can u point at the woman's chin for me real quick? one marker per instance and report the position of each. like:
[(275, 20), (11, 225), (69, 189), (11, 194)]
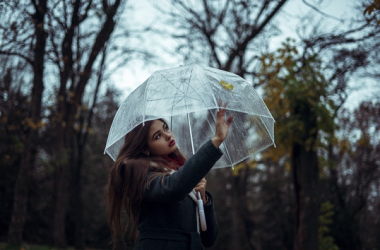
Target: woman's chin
[(173, 149)]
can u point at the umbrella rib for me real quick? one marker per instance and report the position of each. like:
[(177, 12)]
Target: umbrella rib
[(145, 101), (185, 94), (174, 103), (157, 99), (210, 91), (178, 90), (188, 116), (198, 94), (175, 87), (195, 91), (267, 130), (191, 134), (170, 82), (213, 96)]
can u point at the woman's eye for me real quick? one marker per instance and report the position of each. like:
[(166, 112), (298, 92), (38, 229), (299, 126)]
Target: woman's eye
[(158, 137)]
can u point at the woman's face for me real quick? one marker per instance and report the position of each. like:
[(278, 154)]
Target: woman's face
[(160, 139)]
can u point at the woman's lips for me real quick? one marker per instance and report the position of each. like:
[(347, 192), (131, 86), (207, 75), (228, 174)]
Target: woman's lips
[(172, 143)]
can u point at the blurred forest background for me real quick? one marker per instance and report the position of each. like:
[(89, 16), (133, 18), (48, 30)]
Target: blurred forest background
[(318, 189)]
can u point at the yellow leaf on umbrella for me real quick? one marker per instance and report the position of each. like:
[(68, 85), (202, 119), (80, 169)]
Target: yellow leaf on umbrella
[(226, 85)]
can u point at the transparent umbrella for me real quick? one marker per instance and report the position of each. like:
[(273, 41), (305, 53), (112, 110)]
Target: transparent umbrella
[(187, 98)]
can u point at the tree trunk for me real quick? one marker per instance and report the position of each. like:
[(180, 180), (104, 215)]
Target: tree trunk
[(19, 213), (304, 160), (78, 202), (305, 174), (60, 198), (237, 223), (82, 135), (242, 225), (68, 109), (245, 214)]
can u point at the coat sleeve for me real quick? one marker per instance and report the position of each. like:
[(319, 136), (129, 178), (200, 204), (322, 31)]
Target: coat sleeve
[(177, 186), (209, 236)]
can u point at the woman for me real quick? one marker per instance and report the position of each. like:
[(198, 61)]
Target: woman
[(153, 183)]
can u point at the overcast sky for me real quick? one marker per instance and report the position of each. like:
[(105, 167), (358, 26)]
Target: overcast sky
[(131, 76)]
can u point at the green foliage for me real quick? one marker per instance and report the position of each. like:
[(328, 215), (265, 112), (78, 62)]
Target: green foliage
[(326, 242), (296, 92), (244, 164)]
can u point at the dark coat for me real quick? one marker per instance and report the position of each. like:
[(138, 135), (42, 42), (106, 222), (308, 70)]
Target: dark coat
[(168, 218)]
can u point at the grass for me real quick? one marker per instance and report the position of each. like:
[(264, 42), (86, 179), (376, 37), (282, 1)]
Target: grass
[(25, 246)]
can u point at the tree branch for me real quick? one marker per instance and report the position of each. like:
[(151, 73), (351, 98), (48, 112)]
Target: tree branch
[(254, 33), (263, 7), (95, 98), (100, 41), (30, 61), (320, 12), (82, 18), (34, 4), (325, 41), (105, 5)]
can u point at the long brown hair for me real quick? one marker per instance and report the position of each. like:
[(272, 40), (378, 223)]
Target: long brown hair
[(128, 179)]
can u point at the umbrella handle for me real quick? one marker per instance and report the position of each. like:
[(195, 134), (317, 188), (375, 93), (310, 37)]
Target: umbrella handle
[(202, 213)]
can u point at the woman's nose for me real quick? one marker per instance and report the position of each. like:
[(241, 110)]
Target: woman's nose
[(168, 135)]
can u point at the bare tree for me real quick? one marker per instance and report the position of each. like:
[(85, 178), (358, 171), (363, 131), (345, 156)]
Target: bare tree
[(14, 108), (222, 34), (353, 179), (75, 48), (69, 39), (34, 41)]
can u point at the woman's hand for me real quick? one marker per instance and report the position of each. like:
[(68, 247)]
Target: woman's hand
[(222, 126), (201, 187)]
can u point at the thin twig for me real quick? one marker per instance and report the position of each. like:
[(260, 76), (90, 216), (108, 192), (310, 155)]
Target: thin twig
[(320, 12)]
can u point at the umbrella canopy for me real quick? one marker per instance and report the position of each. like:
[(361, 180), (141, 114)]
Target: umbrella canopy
[(187, 98)]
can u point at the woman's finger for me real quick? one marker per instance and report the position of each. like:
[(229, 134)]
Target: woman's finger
[(229, 120), (201, 187)]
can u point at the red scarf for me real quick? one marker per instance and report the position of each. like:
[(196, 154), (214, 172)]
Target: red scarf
[(176, 162)]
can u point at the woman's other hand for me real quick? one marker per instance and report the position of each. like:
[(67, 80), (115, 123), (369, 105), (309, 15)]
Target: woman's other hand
[(201, 187), (222, 126)]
